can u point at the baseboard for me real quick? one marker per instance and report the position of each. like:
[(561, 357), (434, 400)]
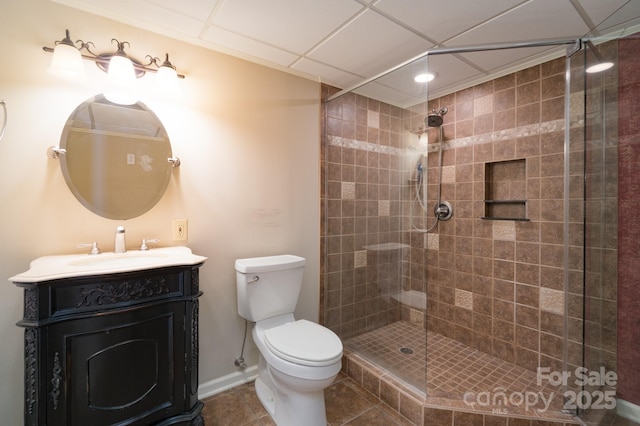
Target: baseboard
[(229, 381), (628, 410)]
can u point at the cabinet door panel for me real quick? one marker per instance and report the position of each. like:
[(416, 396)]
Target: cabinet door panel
[(121, 366)]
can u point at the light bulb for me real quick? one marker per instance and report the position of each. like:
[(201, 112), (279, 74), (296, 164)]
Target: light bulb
[(121, 70), (121, 81), (424, 78), (66, 62), (167, 79)]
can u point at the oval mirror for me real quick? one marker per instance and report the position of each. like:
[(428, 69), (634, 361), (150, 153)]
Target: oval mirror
[(115, 157)]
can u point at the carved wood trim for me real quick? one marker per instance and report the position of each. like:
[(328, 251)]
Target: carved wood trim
[(30, 303), (194, 333), (195, 281), (55, 380), (122, 292), (31, 369)]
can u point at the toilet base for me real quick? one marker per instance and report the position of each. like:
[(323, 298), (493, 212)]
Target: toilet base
[(292, 410), (265, 396)]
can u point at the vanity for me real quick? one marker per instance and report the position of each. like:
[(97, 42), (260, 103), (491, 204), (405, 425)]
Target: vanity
[(112, 339)]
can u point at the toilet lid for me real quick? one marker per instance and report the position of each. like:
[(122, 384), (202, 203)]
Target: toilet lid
[(304, 342)]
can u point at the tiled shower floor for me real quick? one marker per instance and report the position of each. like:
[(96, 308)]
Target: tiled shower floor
[(453, 368)]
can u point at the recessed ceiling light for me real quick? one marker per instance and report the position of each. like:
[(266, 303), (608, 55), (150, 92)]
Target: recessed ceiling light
[(599, 67), (424, 78)]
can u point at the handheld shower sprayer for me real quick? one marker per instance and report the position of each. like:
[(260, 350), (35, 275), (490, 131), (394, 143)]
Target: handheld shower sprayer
[(443, 209)]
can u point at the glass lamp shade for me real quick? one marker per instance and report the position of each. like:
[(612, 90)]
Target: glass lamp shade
[(66, 62), (167, 77), (121, 70), (167, 81), (121, 81)]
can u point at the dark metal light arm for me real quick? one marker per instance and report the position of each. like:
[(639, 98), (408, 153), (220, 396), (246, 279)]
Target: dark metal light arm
[(102, 60)]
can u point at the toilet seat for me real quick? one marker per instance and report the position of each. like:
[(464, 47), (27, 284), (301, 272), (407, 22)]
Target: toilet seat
[(304, 342)]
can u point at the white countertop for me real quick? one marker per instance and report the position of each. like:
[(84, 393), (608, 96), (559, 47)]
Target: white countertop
[(48, 268)]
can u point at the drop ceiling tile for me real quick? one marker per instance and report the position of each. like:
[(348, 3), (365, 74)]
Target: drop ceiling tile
[(448, 68), (535, 20), (141, 14), (387, 94), (443, 20), (623, 22), (235, 44), (370, 45), (199, 9), (330, 75), (599, 10), (494, 60), (294, 25)]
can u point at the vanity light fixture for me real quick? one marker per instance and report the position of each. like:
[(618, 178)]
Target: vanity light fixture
[(122, 69), (601, 65)]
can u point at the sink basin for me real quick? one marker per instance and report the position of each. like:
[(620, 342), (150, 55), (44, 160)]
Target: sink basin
[(76, 265)]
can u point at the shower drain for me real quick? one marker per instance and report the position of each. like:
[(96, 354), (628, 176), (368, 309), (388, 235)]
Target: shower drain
[(406, 351)]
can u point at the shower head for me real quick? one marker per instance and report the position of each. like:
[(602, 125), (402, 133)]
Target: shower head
[(434, 119)]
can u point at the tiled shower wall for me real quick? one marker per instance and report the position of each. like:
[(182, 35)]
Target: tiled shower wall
[(362, 224), (495, 285)]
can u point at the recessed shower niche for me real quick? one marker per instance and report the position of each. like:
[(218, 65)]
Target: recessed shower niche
[(505, 190)]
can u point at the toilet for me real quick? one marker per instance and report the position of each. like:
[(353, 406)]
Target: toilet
[(298, 358)]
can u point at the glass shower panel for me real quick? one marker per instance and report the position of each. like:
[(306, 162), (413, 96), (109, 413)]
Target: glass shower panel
[(593, 234), (366, 245)]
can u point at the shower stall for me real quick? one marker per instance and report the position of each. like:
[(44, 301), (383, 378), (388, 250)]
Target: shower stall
[(470, 239)]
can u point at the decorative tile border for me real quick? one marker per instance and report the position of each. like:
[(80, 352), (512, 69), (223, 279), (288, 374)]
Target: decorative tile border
[(502, 135)]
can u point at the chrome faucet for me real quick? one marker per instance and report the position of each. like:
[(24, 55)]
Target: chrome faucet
[(120, 246)]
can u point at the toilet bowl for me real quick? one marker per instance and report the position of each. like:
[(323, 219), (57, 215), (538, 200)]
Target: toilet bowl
[(298, 358)]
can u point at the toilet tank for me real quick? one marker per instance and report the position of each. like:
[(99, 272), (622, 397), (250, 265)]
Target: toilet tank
[(268, 286)]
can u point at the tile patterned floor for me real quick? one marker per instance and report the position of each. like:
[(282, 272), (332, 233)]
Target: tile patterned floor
[(346, 404), (453, 368)]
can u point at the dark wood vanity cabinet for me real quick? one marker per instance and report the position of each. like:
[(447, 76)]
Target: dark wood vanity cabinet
[(118, 349)]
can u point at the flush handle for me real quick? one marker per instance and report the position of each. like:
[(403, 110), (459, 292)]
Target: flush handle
[(253, 280)]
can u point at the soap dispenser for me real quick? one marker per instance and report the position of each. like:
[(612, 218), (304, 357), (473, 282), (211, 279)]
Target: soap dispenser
[(120, 244)]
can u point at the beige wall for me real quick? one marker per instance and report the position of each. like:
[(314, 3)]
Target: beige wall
[(248, 138)]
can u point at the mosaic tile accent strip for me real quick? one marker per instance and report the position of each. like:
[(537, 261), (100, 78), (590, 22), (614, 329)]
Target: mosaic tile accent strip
[(504, 135), (364, 146), (552, 300)]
